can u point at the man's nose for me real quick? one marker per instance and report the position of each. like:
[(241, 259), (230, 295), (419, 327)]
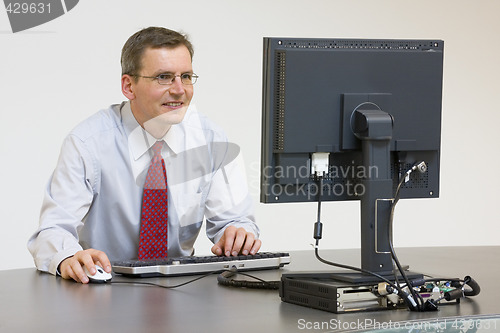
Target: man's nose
[(177, 87)]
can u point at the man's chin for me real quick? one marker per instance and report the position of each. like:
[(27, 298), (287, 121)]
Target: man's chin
[(160, 125)]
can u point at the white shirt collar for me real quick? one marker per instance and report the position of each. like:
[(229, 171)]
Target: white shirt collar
[(140, 140)]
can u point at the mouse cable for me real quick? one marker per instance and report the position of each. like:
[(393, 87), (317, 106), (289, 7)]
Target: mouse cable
[(226, 279), (167, 287), (224, 276)]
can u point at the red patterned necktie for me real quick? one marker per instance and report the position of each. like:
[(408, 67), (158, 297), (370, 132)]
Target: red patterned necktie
[(153, 239)]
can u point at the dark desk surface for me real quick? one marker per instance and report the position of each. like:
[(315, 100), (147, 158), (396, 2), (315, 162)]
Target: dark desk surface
[(33, 301)]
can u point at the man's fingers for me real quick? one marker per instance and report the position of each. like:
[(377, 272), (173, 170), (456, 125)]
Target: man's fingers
[(73, 276), (247, 245), (239, 240), (87, 261), (236, 241), (229, 235), (89, 258), (72, 267), (256, 246), (69, 274), (102, 260), (217, 248)]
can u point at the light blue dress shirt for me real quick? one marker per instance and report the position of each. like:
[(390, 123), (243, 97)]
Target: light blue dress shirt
[(93, 198)]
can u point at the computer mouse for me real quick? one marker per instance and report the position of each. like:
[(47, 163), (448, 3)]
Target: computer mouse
[(100, 276)]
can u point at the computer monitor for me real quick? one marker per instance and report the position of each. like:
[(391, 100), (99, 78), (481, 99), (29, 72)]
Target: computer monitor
[(359, 113)]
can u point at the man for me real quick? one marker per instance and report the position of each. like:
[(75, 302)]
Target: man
[(91, 212)]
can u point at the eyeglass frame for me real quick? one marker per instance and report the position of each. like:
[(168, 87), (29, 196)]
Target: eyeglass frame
[(193, 76)]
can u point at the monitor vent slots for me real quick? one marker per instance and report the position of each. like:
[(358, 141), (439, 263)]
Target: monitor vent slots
[(279, 95), (417, 180), (360, 44)]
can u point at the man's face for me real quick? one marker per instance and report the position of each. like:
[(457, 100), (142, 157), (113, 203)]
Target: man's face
[(159, 105)]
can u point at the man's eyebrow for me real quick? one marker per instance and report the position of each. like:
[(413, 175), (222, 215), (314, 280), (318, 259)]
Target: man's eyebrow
[(162, 72)]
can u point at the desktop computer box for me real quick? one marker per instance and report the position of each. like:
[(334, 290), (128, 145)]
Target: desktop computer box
[(320, 291), (331, 295)]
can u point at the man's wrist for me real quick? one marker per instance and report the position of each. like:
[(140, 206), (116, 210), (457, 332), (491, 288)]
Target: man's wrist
[(58, 269)]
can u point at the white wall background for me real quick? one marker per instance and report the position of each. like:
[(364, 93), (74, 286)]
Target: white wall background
[(55, 75)]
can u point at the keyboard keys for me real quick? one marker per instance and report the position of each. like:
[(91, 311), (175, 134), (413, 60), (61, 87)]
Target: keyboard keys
[(200, 264)]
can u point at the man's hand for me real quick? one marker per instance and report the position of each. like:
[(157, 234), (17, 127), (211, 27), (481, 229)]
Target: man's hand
[(72, 267), (236, 241)]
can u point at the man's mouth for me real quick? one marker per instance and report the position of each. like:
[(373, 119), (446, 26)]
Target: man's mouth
[(173, 104)]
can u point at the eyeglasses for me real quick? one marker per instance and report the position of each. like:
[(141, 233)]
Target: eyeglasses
[(168, 78)]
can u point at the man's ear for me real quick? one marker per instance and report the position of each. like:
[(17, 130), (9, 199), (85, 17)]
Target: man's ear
[(128, 86)]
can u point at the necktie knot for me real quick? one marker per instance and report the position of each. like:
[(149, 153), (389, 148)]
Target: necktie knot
[(157, 149), (156, 176)]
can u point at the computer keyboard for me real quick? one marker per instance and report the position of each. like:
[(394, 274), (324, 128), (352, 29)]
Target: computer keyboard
[(200, 264)]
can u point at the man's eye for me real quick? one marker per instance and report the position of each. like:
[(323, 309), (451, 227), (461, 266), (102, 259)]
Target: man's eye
[(165, 77), (187, 76)]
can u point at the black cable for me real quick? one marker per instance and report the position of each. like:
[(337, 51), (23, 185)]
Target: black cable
[(317, 236), (473, 284), (167, 287), (318, 227), (263, 284), (418, 302), (466, 281), (225, 279), (395, 259)]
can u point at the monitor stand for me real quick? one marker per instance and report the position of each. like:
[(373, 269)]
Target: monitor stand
[(373, 127)]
